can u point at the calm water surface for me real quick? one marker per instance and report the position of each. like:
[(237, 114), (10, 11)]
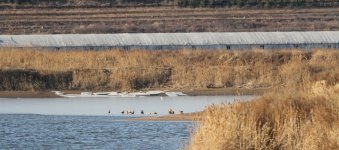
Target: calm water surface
[(100, 106), (89, 132), (83, 123)]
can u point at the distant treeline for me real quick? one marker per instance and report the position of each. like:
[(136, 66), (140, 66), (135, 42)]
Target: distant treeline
[(180, 3)]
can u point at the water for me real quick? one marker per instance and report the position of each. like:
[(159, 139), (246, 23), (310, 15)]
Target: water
[(89, 132), (100, 106), (84, 123)]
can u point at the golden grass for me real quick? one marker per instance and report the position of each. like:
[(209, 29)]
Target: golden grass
[(306, 119), (137, 69), (302, 113)]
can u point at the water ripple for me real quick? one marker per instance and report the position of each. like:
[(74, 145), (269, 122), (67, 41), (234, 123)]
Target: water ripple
[(89, 132)]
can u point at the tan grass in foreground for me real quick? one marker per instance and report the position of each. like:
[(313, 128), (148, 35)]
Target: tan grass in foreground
[(287, 119), (138, 69)]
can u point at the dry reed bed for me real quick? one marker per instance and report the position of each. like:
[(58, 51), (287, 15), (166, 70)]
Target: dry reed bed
[(304, 118), (139, 69), (301, 114)]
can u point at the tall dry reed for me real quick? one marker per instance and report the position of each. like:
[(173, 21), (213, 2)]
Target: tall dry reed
[(137, 69), (285, 119)]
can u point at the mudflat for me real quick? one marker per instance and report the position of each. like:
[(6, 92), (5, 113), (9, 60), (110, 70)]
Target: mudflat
[(190, 92), (196, 116), (225, 91)]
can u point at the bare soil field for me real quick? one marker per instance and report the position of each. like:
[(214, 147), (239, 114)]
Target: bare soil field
[(164, 19)]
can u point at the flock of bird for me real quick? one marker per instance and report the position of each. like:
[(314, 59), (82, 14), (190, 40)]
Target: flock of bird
[(132, 112)]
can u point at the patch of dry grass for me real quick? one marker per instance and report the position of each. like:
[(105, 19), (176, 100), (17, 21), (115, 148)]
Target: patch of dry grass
[(304, 119), (302, 113), (137, 69)]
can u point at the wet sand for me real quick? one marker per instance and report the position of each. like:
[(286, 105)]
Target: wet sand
[(191, 92), (176, 117), (224, 91)]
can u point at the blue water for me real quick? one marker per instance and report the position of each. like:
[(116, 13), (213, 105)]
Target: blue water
[(84, 123), (28, 131)]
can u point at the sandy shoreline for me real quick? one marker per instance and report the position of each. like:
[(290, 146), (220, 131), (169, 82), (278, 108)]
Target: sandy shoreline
[(224, 91), (196, 116), (191, 92)]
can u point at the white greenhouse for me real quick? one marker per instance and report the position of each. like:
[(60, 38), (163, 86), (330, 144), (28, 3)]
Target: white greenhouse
[(213, 40)]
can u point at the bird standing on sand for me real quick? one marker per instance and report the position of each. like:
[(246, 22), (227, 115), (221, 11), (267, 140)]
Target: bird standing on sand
[(153, 113), (170, 111), (181, 112)]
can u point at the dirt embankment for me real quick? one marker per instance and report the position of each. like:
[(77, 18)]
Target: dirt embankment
[(28, 94), (25, 80)]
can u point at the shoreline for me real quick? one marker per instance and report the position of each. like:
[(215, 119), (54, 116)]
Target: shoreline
[(195, 116), (190, 92)]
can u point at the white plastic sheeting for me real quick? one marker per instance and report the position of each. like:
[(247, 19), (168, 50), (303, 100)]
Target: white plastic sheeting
[(168, 39)]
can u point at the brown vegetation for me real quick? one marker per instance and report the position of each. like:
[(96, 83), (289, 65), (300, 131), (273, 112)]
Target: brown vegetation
[(302, 113), (164, 19), (27, 69), (287, 118)]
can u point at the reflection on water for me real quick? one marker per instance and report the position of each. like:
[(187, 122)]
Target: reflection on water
[(89, 132), (100, 106)]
